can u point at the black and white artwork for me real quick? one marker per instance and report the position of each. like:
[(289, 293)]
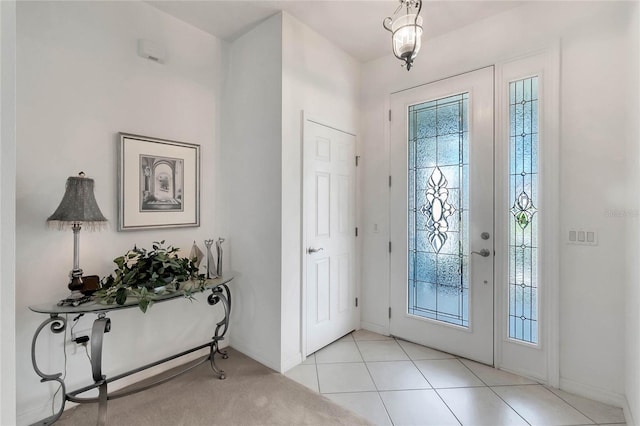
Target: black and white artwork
[(159, 183), (162, 183)]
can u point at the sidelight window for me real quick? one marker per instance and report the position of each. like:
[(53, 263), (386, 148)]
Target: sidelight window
[(523, 197)]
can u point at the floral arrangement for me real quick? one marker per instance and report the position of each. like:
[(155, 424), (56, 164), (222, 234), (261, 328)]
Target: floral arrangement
[(145, 275)]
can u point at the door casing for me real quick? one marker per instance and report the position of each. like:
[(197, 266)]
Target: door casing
[(542, 361), (545, 62)]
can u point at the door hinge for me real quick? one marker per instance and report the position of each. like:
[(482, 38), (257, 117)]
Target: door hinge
[(389, 312), (356, 231), (356, 302), (389, 115), (389, 181), (357, 160), (389, 246)]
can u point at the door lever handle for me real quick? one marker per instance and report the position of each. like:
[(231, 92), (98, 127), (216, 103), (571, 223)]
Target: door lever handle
[(484, 252), (311, 250)]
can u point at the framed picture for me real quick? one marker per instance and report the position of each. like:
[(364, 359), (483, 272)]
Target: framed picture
[(159, 183)]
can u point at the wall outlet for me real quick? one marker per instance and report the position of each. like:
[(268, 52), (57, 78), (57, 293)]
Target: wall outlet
[(582, 237)]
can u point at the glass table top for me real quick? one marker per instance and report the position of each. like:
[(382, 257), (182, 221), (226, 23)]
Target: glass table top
[(96, 306)]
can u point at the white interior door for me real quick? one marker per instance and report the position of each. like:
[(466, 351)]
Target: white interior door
[(329, 224), (442, 219)]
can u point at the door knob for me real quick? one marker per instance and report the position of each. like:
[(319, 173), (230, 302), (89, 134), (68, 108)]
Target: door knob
[(311, 250), (484, 252)]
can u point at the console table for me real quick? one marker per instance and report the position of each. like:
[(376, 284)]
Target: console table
[(220, 293)]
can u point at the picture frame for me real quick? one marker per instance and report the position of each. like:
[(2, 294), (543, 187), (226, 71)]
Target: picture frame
[(158, 183)]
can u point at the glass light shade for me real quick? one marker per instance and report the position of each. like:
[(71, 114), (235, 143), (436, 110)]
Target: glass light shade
[(407, 34)]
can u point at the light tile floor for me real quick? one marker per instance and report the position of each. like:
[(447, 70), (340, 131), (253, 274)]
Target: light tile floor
[(393, 382)]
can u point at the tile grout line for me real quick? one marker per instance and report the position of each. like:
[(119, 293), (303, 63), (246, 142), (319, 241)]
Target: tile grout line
[(374, 383), (338, 393), (571, 405), (413, 362), (568, 403), (495, 393), (315, 362), (509, 405), (432, 388), (445, 402), (545, 388)]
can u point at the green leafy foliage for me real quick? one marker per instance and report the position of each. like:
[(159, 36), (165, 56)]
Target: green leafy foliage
[(145, 275)]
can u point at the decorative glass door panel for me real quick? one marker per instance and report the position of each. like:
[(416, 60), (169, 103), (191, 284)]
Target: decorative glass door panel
[(441, 198), (438, 235)]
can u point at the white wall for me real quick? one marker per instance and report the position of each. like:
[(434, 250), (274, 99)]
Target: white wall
[(592, 176), (7, 212), (323, 81), (276, 70), (632, 217), (250, 198), (80, 82), (593, 38)]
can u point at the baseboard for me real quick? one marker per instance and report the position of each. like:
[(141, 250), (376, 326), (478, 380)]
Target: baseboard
[(35, 414), (43, 411), (158, 369), (628, 414), (592, 392), (369, 326), (292, 361), (240, 347)]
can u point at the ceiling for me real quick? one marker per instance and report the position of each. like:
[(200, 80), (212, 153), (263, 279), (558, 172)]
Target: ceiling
[(353, 25)]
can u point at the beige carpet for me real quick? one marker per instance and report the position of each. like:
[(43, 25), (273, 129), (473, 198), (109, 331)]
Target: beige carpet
[(252, 394)]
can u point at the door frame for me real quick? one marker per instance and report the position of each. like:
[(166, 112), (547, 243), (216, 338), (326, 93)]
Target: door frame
[(548, 62), (305, 116), (476, 340)]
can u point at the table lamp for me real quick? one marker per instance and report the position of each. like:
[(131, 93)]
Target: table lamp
[(78, 208)]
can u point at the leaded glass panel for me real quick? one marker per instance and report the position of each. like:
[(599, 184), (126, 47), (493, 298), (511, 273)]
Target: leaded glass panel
[(438, 210), (523, 195)]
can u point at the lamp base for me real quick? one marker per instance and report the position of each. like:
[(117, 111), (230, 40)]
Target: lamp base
[(81, 288), (76, 284)]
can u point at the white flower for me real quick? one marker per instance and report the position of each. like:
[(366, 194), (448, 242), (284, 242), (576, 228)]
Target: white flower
[(132, 258)]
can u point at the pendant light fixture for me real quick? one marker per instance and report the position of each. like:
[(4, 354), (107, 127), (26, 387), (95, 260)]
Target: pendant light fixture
[(406, 31)]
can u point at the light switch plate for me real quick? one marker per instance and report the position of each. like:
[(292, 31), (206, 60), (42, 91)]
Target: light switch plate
[(582, 237)]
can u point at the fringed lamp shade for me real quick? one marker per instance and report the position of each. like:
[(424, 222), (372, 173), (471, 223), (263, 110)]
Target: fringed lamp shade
[(78, 206)]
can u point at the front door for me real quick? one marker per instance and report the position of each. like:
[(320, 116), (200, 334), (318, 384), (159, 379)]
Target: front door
[(442, 220), (329, 222)]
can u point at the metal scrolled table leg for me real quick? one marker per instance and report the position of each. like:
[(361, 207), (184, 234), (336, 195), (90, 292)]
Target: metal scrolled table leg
[(100, 326), (226, 289), (226, 319), (58, 325), (215, 297)]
